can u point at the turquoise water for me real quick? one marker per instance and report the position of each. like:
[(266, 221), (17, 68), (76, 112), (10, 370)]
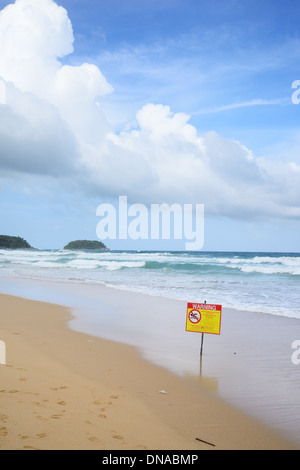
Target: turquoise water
[(249, 364), (259, 282)]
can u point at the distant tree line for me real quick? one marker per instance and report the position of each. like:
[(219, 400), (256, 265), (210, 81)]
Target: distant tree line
[(13, 243), (18, 243)]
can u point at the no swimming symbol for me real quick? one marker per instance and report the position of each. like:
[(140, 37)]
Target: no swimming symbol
[(195, 316)]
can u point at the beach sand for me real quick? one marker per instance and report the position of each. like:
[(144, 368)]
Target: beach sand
[(61, 389)]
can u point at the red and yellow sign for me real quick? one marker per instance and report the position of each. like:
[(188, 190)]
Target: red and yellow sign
[(204, 318)]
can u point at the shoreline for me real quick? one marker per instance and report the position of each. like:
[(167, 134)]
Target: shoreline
[(63, 389), (248, 366)]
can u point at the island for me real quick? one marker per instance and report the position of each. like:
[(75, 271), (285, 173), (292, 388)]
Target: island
[(13, 243), (86, 245)]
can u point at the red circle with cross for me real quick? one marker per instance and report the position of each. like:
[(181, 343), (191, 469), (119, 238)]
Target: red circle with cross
[(194, 316)]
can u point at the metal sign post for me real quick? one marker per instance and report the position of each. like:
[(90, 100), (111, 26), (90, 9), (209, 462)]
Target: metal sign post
[(203, 318), (201, 349), (201, 353)]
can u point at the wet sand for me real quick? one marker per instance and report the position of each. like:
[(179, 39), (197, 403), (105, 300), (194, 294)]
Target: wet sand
[(63, 389)]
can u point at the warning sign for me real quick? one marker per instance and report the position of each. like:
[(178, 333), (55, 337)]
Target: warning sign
[(204, 318), (194, 316)]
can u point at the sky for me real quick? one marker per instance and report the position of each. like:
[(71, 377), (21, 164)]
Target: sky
[(161, 101)]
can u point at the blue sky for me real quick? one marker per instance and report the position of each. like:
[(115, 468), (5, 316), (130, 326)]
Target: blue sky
[(163, 101)]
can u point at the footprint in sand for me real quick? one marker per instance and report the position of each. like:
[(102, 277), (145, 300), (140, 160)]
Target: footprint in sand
[(56, 389), (3, 431), (42, 418), (56, 416), (94, 439), (3, 418), (37, 403), (97, 402)]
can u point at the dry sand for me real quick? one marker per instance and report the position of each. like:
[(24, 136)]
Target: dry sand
[(62, 389)]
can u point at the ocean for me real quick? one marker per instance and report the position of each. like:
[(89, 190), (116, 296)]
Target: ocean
[(257, 282), (250, 364)]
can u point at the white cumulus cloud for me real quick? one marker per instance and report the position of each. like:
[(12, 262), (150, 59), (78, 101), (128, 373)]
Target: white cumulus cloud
[(51, 123)]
